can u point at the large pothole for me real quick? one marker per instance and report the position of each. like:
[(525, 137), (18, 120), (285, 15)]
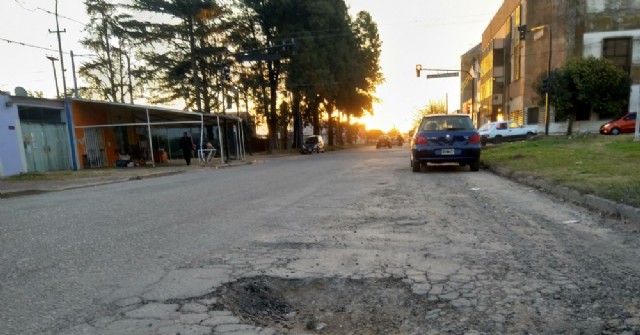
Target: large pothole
[(329, 306)]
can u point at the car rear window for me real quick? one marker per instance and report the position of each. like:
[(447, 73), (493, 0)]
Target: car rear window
[(311, 140), (446, 123)]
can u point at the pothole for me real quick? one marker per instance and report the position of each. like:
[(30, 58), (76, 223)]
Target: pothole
[(327, 306)]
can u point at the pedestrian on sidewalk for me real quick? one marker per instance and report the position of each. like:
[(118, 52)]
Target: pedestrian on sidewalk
[(187, 146)]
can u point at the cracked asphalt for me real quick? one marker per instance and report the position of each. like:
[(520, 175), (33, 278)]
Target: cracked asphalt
[(340, 243)]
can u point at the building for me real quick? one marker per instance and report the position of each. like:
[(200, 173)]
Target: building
[(42, 135), (527, 38), (470, 70)]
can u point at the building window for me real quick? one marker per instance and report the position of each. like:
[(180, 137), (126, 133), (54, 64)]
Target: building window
[(515, 65), (618, 50), (533, 115)]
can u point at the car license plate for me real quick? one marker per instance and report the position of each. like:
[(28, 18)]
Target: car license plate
[(448, 152)]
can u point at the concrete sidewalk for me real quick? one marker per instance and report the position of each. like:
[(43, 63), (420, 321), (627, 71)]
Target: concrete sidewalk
[(63, 180)]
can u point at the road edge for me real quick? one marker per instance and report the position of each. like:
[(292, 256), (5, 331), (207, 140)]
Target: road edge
[(590, 201)]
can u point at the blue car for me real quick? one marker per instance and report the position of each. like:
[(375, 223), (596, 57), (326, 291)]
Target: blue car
[(446, 138)]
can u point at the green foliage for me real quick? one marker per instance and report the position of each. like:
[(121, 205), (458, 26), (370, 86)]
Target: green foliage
[(598, 165), (585, 85), (180, 50), (336, 61), (36, 94), (109, 74), (178, 53)]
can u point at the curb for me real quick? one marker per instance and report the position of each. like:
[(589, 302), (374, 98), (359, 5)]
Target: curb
[(90, 183), (590, 201), (82, 184)]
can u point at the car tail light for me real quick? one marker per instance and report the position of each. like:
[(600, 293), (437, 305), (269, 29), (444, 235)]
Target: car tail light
[(420, 140), (475, 138)]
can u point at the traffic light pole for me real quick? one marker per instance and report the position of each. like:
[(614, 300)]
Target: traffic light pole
[(419, 69), (547, 114), (546, 95)]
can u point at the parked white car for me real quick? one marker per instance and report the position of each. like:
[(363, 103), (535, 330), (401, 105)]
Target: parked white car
[(506, 131)]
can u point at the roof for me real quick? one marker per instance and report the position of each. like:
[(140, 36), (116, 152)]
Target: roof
[(152, 115)]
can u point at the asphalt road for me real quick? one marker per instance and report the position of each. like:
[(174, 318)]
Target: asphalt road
[(503, 256)]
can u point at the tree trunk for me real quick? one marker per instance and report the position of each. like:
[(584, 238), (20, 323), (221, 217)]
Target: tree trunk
[(272, 116), (316, 116), (297, 121), (194, 66), (330, 125), (349, 130), (570, 120), (339, 138)]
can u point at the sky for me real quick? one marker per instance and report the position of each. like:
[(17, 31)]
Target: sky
[(433, 33)]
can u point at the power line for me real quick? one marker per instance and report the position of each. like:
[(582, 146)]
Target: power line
[(62, 16), (27, 45), (46, 49), (22, 5)]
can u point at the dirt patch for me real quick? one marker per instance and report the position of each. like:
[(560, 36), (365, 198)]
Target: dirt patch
[(327, 306)]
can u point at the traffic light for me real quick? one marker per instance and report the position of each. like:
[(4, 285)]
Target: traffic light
[(225, 74), (546, 85), (523, 31)]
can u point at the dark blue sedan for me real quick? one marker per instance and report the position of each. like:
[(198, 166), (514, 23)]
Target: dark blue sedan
[(446, 138)]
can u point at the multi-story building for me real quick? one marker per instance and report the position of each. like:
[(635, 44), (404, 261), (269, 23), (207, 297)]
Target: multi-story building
[(527, 38)]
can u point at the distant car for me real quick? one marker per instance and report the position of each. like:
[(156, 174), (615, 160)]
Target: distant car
[(445, 138), (623, 124), (383, 141), (506, 131), (313, 143)]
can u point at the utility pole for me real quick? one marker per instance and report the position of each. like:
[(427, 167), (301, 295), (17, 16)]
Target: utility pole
[(57, 31), (523, 30), (75, 80), (55, 76)]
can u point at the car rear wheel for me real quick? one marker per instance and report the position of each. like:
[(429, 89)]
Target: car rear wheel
[(615, 131), (415, 166), (497, 140), (475, 165), (530, 136)]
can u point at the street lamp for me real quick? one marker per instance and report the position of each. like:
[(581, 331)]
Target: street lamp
[(55, 76), (546, 94)]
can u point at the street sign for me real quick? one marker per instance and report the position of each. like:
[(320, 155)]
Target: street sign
[(258, 57), (443, 75), (538, 34)]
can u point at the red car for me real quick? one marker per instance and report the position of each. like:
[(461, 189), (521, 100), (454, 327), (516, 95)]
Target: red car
[(624, 124)]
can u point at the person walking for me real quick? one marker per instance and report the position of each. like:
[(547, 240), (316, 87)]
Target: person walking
[(187, 146)]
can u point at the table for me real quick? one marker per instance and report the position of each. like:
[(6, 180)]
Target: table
[(205, 155)]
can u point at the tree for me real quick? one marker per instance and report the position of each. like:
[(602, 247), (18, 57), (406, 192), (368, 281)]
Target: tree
[(35, 94), (182, 54), (432, 107), (329, 68), (109, 73), (587, 85)]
